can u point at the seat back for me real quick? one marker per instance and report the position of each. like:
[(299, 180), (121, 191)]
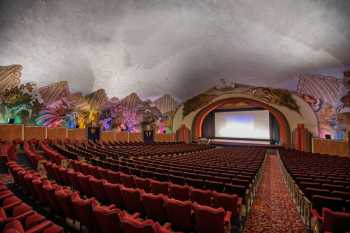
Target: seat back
[(158, 187), (108, 219), (179, 213), (132, 200), (179, 192), (83, 211), (337, 222), (154, 206), (226, 201), (133, 225), (49, 191), (84, 184), (209, 220), (127, 180), (333, 203), (113, 177), (96, 187), (113, 192), (202, 197), (63, 198), (142, 183)]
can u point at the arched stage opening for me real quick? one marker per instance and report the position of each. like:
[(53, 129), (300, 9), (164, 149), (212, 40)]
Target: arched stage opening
[(246, 103)]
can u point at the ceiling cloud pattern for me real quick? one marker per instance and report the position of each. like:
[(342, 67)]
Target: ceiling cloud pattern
[(169, 46)]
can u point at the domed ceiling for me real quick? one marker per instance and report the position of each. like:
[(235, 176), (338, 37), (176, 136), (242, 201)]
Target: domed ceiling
[(154, 47)]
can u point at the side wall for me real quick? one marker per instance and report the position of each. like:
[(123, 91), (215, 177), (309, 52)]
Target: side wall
[(11, 132)]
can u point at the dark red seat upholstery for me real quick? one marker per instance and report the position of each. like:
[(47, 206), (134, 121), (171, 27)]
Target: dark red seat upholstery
[(97, 190), (333, 203), (158, 187), (179, 214), (335, 222), (142, 183), (127, 180), (133, 225), (209, 220), (108, 219), (84, 184), (132, 200), (179, 192), (202, 197), (154, 206), (113, 177), (83, 211), (63, 198), (114, 194)]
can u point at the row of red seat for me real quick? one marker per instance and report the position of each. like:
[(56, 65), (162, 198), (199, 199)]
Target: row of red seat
[(18, 217), (111, 219), (325, 181), (125, 190), (127, 150)]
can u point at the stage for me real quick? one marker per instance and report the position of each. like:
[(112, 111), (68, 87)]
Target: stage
[(239, 142)]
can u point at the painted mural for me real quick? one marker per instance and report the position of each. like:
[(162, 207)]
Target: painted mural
[(323, 94), (55, 106), (269, 95)]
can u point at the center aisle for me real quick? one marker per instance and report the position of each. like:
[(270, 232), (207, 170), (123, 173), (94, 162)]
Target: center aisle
[(273, 210)]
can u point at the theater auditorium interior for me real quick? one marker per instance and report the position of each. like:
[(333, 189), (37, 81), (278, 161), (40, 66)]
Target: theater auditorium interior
[(174, 116)]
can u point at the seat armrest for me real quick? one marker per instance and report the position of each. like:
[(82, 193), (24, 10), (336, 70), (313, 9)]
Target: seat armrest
[(39, 227), (316, 215), (167, 225), (20, 217), (9, 206), (3, 196), (228, 216)]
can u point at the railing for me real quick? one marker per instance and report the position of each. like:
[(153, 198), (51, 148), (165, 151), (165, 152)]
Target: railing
[(303, 205)]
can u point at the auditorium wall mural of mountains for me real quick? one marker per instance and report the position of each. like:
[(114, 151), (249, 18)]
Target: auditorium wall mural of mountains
[(55, 105)]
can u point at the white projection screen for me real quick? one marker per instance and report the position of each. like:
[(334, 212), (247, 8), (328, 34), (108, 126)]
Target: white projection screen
[(252, 124)]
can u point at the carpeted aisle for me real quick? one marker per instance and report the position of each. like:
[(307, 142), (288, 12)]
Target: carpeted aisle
[(273, 210)]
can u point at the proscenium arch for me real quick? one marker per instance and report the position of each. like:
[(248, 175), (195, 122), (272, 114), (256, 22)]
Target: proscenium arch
[(281, 119)]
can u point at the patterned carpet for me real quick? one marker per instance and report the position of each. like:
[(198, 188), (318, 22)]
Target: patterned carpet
[(273, 210)]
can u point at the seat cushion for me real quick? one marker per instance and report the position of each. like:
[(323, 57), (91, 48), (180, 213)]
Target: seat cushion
[(3, 215), (14, 226)]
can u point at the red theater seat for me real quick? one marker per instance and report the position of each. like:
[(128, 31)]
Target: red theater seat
[(97, 190), (209, 220), (108, 219), (83, 211), (180, 192), (127, 180), (114, 194), (132, 200), (133, 225), (142, 183), (202, 197), (158, 187), (63, 198), (154, 206), (179, 214), (335, 222)]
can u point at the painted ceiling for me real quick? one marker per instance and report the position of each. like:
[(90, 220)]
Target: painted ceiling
[(180, 48)]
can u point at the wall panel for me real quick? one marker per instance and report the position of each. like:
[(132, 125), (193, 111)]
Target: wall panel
[(332, 147), (11, 132), (37, 132), (56, 133), (135, 137), (164, 138), (107, 136), (77, 134), (122, 136)]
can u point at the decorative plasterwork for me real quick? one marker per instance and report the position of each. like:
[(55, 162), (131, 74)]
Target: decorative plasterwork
[(10, 76)]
